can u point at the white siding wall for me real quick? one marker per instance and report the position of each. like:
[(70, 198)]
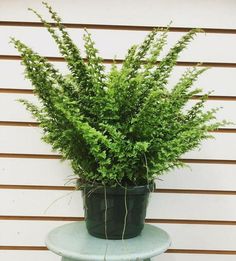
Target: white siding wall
[(197, 207)]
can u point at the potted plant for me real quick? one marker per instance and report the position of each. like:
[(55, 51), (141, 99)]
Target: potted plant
[(120, 130)]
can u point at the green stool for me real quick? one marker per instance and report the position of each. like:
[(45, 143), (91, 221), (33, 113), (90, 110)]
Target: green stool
[(72, 242)]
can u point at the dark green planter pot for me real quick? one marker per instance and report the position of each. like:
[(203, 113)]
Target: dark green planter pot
[(112, 208)]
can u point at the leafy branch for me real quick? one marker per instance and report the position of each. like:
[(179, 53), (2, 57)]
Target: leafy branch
[(124, 126)]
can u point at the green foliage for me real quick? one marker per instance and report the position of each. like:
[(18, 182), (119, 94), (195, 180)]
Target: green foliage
[(122, 127)]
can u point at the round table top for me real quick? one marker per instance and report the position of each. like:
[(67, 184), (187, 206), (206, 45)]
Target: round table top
[(74, 242)]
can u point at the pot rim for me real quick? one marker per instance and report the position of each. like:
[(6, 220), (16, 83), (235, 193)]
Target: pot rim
[(140, 189)]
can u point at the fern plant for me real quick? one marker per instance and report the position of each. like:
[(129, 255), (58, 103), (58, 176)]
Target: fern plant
[(124, 127)]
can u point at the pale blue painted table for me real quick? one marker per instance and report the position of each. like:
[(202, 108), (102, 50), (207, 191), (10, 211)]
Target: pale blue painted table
[(72, 242)]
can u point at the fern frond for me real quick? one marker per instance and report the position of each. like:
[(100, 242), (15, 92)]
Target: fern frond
[(125, 127)]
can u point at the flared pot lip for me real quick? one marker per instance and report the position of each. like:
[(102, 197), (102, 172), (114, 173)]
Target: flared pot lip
[(140, 189)]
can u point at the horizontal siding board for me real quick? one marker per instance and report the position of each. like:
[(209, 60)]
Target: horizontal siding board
[(193, 257), (192, 206), (46, 172), (225, 110), (130, 12), (7, 68), (221, 147), (12, 110), (28, 140), (23, 140), (200, 176), (35, 172), (31, 233), (118, 41), (162, 205), (30, 202), (221, 80), (194, 236), (10, 255), (26, 233)]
